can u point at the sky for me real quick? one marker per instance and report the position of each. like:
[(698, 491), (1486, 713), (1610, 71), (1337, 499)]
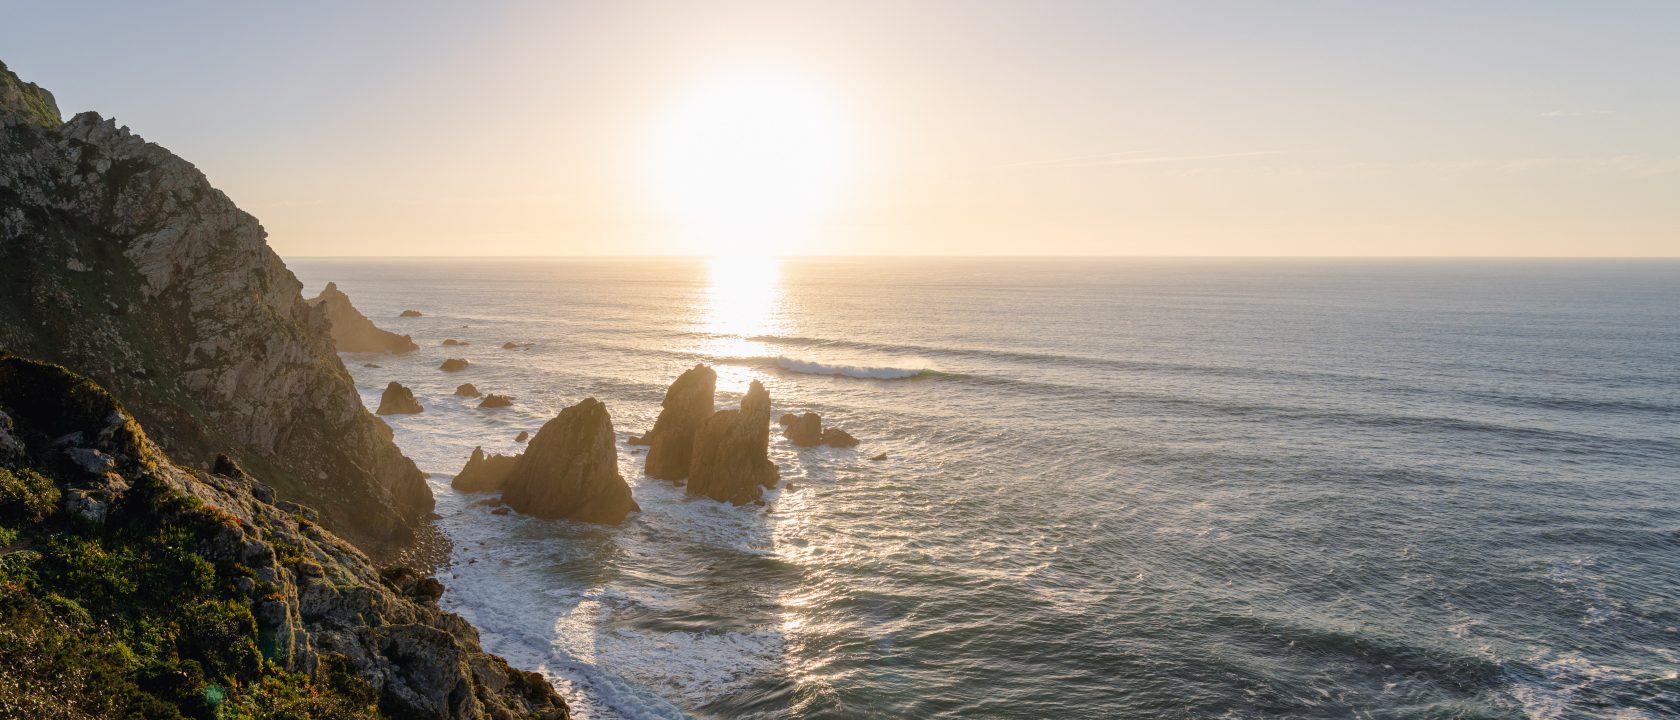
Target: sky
[(889, 128)]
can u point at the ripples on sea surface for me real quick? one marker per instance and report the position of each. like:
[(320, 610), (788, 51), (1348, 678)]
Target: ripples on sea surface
[(1127, 488)]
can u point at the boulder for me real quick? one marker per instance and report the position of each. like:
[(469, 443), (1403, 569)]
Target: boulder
[(467, 390), (787, 419), (398, 400), (509, 346), (522, 437), (354, 332), (637, 440), (496, 401), (452, 342), (688, 402), (454, 365), (805, 431), (835, 437), (570, 470), (731, 460), (878, 457), (484, 473), (372, 365), (410, 313)]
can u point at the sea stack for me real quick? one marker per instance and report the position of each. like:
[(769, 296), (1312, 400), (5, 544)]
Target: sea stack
[(687, 404), (496, 401), (351, 330), (805, 430), (835, 437), (467, 390), (570, 470), (409, 313), (398, 400), (484, 473), (732, 452), (454, 365)]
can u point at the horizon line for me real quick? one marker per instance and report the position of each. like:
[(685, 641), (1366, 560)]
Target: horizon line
[(983, 257)]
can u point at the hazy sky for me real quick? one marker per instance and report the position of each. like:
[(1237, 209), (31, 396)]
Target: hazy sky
[(1181, 128)]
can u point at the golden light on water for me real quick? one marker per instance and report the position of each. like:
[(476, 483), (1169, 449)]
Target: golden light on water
[(741, 301)]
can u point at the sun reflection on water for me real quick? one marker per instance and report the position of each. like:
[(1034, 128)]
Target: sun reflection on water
[(741, 302)]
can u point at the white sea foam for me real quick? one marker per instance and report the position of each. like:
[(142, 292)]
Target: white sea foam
[(864, 372)]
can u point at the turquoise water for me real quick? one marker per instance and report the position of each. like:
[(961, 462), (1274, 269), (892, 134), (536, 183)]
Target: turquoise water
[(1114, 488)]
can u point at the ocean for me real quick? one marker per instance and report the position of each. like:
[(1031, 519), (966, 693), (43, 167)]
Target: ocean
[(1127, 488)]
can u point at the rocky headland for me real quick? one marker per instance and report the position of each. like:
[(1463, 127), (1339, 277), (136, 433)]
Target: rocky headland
[(354, 332)]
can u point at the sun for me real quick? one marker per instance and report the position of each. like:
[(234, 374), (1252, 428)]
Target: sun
[(745, 161)]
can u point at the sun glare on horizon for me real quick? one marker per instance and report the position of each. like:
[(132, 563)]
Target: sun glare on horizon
[(744, 161)]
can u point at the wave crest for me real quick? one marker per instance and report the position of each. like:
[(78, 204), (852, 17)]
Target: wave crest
[(808, 367)]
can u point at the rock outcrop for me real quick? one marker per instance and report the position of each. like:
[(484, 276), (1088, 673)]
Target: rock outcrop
[(787, 419), (496, 401), (398, 400), (138, 587), (452, 342), (354, 332), (484, 473), (121, 260), (687, 404), (467, 390), (570, 470), (835, 437), (731, 452), (522, 436), (805, 431), (509, 346), (453, 365), (409, 313)]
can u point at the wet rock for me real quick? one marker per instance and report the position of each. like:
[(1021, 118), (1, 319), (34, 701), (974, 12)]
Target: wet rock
[(452, 342), (496, 401), (881, 456), (522, 436), (372, 365), (805, 431), (731, 460), (687, 404), (467, 390), (484, 473), (509, 346), (409, 313), (354, 332), (835, 437), (570, 470), (398, 400), (454, 365), (787, 419)]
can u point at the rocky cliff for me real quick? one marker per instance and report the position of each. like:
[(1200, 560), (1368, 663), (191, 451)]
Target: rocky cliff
[(351, 330), (122, 261), (133, 586)]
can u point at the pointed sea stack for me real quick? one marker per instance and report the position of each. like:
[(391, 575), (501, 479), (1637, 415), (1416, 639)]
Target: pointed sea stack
[(687, 404), (398, 400), (805, 430), (484, 473), (352, 331), (570, 470), (732, 452)]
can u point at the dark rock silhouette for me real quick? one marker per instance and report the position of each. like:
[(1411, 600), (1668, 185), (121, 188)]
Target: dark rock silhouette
[(835, 437), (509, 346), (454, 365), (522, 437), (410, 313), (484, 473), (354, 332), (805, 431), (496, 401), (731, 461), (688, 402), (467, 390), (570, 470), (398, 400)]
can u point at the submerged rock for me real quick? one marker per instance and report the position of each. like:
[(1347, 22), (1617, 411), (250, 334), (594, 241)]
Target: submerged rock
[(496, 401), (467, 390), (452, 342), (410, 313), (570, 470), (454, 365), (687, 404), (805, 430), (398, 400), (484, 473), (522, 436), (835, 437), (354, 332), (732, 452)]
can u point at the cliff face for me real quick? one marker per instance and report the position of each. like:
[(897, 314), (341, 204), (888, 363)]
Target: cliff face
[(123, 262), (131, 586)]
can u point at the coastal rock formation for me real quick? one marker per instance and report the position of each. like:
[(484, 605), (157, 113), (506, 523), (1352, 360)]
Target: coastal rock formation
[(835, 437), (687, 404), (509, 346), (731, 452), (879, 456), (351, 330), (570, 470), (454, 365), (121, 260), (467, 390), (142, 587), (787, 419), (496, 401), (805, 431), (398, 400), (452, 342), (522, 436), (484, 473), (409, 313)]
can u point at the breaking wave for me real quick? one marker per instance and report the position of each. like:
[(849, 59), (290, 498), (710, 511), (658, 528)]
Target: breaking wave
[(808, 367)]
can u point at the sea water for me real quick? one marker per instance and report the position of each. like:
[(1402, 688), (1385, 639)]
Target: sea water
[(1113, 488)]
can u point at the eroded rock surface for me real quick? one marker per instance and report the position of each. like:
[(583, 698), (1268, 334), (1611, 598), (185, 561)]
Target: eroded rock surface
[(731, 452), (687, 404), (570, 470), (484, 473), (398, 400)]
